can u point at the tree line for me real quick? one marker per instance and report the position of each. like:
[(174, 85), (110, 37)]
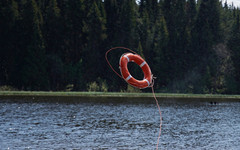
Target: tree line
[(191, 47)]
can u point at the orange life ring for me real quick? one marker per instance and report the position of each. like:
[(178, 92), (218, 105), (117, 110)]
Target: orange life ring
[(130, 57)]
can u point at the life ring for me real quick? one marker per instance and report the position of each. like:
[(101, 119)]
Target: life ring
[(130, 57)]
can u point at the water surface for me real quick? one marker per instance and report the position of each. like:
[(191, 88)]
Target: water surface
[(26, 124)]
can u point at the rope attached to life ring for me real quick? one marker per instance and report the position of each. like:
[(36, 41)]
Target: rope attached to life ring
[(154, 96)]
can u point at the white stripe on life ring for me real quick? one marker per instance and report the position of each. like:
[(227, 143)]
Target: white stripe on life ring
[(126, 57), (128, 78), (143, 64), (147, 81)]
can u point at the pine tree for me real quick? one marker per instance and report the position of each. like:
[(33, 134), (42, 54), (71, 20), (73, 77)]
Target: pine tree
[(161, 63), (181, 39), (52, 27), (54, 42), (204, 36), (31, 61), (142, 7), (112, 22), (74, 20), (176, 20), (96, 34), (233, 45), (140, 50), (113, 31), (214, 20), (191, 13), (226, 21), (128, 24), (145, 34), (152, 7), (53, 36), (9, 17)]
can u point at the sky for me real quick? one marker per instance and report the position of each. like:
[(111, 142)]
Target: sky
[(235, 2)]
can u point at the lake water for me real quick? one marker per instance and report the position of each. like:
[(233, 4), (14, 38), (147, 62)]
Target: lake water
[(26, 124)]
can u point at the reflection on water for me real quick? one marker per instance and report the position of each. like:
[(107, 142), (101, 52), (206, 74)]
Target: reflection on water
[(88, 125)]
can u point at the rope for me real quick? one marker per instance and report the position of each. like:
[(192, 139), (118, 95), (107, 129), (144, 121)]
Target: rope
[(114, 49), (160, 126), (159, 110)]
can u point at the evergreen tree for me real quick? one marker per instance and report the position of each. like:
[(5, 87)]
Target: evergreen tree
[(206, 30), (201, 35), (149, 14), (204, 36), (233, 45), (112, 22), (52, 44), (152, 7), (191, 13), (75, 18), (31, 61), (142, 7), (128, 24), (53, 35), (226, 21), (52, 28), (145, 34), (95, 28), (214, 20), (9, 17), (140, 50), (113, 31), (174, 12), (182, 40), (161, 63)]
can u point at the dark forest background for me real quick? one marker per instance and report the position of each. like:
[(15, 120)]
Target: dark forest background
[(59, 45)]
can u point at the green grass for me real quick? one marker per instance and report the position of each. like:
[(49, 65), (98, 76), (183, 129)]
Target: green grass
[(117, 94)]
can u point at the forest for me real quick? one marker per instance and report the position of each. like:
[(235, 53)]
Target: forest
[(59, 45)]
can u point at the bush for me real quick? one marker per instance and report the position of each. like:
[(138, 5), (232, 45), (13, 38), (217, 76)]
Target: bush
[(69, 87), (98, 86), (104, 86), (93, 87), (7, 88)]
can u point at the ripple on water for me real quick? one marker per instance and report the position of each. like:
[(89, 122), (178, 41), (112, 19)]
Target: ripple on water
[(43, 125)]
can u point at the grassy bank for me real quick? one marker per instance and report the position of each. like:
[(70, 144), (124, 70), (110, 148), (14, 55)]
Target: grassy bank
[(210, 97)]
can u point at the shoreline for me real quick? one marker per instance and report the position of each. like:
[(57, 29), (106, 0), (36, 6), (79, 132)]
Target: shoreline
[(117, 95)]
